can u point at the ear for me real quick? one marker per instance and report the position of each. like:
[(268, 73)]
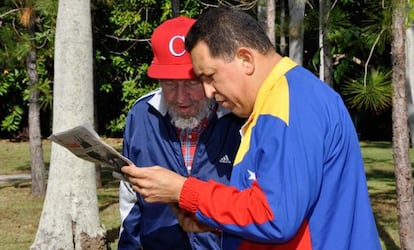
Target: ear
[(246, 57)]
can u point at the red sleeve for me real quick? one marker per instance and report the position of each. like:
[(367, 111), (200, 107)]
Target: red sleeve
[(189, 194), (225, 204)]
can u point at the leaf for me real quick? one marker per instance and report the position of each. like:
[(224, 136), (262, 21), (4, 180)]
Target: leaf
[(375, 95)]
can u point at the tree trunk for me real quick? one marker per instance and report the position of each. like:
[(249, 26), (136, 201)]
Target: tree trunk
[(70, 216), (409, 48), (27, 19), (321, 39), (261, 12), (326, 64), (37, 167), (98, 175), (403, 172), (176, 8), (296, 30), (98, 167), (282, 40), (266, 16), (270, 20)]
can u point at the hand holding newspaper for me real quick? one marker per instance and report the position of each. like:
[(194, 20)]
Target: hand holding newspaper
[(86, 144)]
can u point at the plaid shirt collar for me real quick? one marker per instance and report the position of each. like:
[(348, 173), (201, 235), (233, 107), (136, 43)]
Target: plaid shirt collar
[(189, 139)]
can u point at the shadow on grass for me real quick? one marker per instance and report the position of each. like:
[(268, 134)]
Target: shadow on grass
[(112, 235), (384, 206), (387, 239), (369, 161), (376, 144), (108, 199), (107, 179), (108, 182), (16, 184), (383, 199), (381, 175), (26, 168)]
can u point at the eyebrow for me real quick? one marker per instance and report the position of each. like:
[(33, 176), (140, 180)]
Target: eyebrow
[(200, 75)]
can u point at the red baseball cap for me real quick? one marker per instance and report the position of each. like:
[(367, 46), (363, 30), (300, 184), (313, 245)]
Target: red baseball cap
[(171, 60)]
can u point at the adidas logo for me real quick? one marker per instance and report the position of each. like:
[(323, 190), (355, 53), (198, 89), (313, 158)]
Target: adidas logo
[(225, 159)]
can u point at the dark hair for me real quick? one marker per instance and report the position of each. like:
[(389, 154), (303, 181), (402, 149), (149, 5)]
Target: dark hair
[(224, 29)]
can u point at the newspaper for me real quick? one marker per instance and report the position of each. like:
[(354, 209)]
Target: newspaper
[(86, 144)]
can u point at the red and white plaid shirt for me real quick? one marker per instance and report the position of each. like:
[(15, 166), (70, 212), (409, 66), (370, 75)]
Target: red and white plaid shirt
[(189, 139)]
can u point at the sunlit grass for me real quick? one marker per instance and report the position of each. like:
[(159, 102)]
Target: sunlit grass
[(20, 214)]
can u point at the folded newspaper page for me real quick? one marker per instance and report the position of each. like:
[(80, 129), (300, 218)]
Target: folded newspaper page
[(86, 144)]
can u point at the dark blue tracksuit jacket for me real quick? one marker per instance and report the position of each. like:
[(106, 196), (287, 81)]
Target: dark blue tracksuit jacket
[(150, 139)]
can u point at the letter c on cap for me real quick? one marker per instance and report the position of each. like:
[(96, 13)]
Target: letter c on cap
[(171, 46)]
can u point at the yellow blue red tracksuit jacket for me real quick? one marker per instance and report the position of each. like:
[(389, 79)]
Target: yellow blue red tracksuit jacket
[(298, 181), (150, 139)]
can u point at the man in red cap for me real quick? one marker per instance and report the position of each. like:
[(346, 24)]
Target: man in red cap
[(179, 128)]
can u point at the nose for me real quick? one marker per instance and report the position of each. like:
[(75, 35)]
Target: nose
[(181, 93), (209, 90)]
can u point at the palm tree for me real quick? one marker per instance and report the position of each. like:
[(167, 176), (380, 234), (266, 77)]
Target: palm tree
[(373, 93)]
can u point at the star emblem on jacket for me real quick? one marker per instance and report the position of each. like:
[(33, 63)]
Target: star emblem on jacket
[(252, 175)]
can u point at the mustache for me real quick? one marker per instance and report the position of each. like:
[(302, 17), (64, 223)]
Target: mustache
[(190, 122)]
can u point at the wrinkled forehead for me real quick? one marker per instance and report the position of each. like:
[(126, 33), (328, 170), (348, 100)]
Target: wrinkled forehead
[(174, 85)]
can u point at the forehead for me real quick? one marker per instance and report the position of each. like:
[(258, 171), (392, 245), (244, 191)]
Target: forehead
[(201, 58), (178, 81)]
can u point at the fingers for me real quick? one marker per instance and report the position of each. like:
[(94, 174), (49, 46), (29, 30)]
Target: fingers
[(188, 221), (137, 178), (139, 186), (131, 170), (175, 208), (142, 181), (155, 184)]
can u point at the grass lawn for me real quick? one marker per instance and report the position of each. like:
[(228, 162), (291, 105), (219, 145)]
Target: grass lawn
[(20, 214)]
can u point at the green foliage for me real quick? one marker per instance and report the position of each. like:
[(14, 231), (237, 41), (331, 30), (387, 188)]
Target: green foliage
[(44, 86), (12, 121), (11, 91), (374, 91), (359, 33), (16, 40), (374, 95), (343, 36), (377, 25), (9, 81), (132, 88), (410, 12)]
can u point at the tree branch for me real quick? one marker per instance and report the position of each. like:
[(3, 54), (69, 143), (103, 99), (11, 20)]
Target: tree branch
[(9, 12)]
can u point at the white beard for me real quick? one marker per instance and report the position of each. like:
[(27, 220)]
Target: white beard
[(183, 123)]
